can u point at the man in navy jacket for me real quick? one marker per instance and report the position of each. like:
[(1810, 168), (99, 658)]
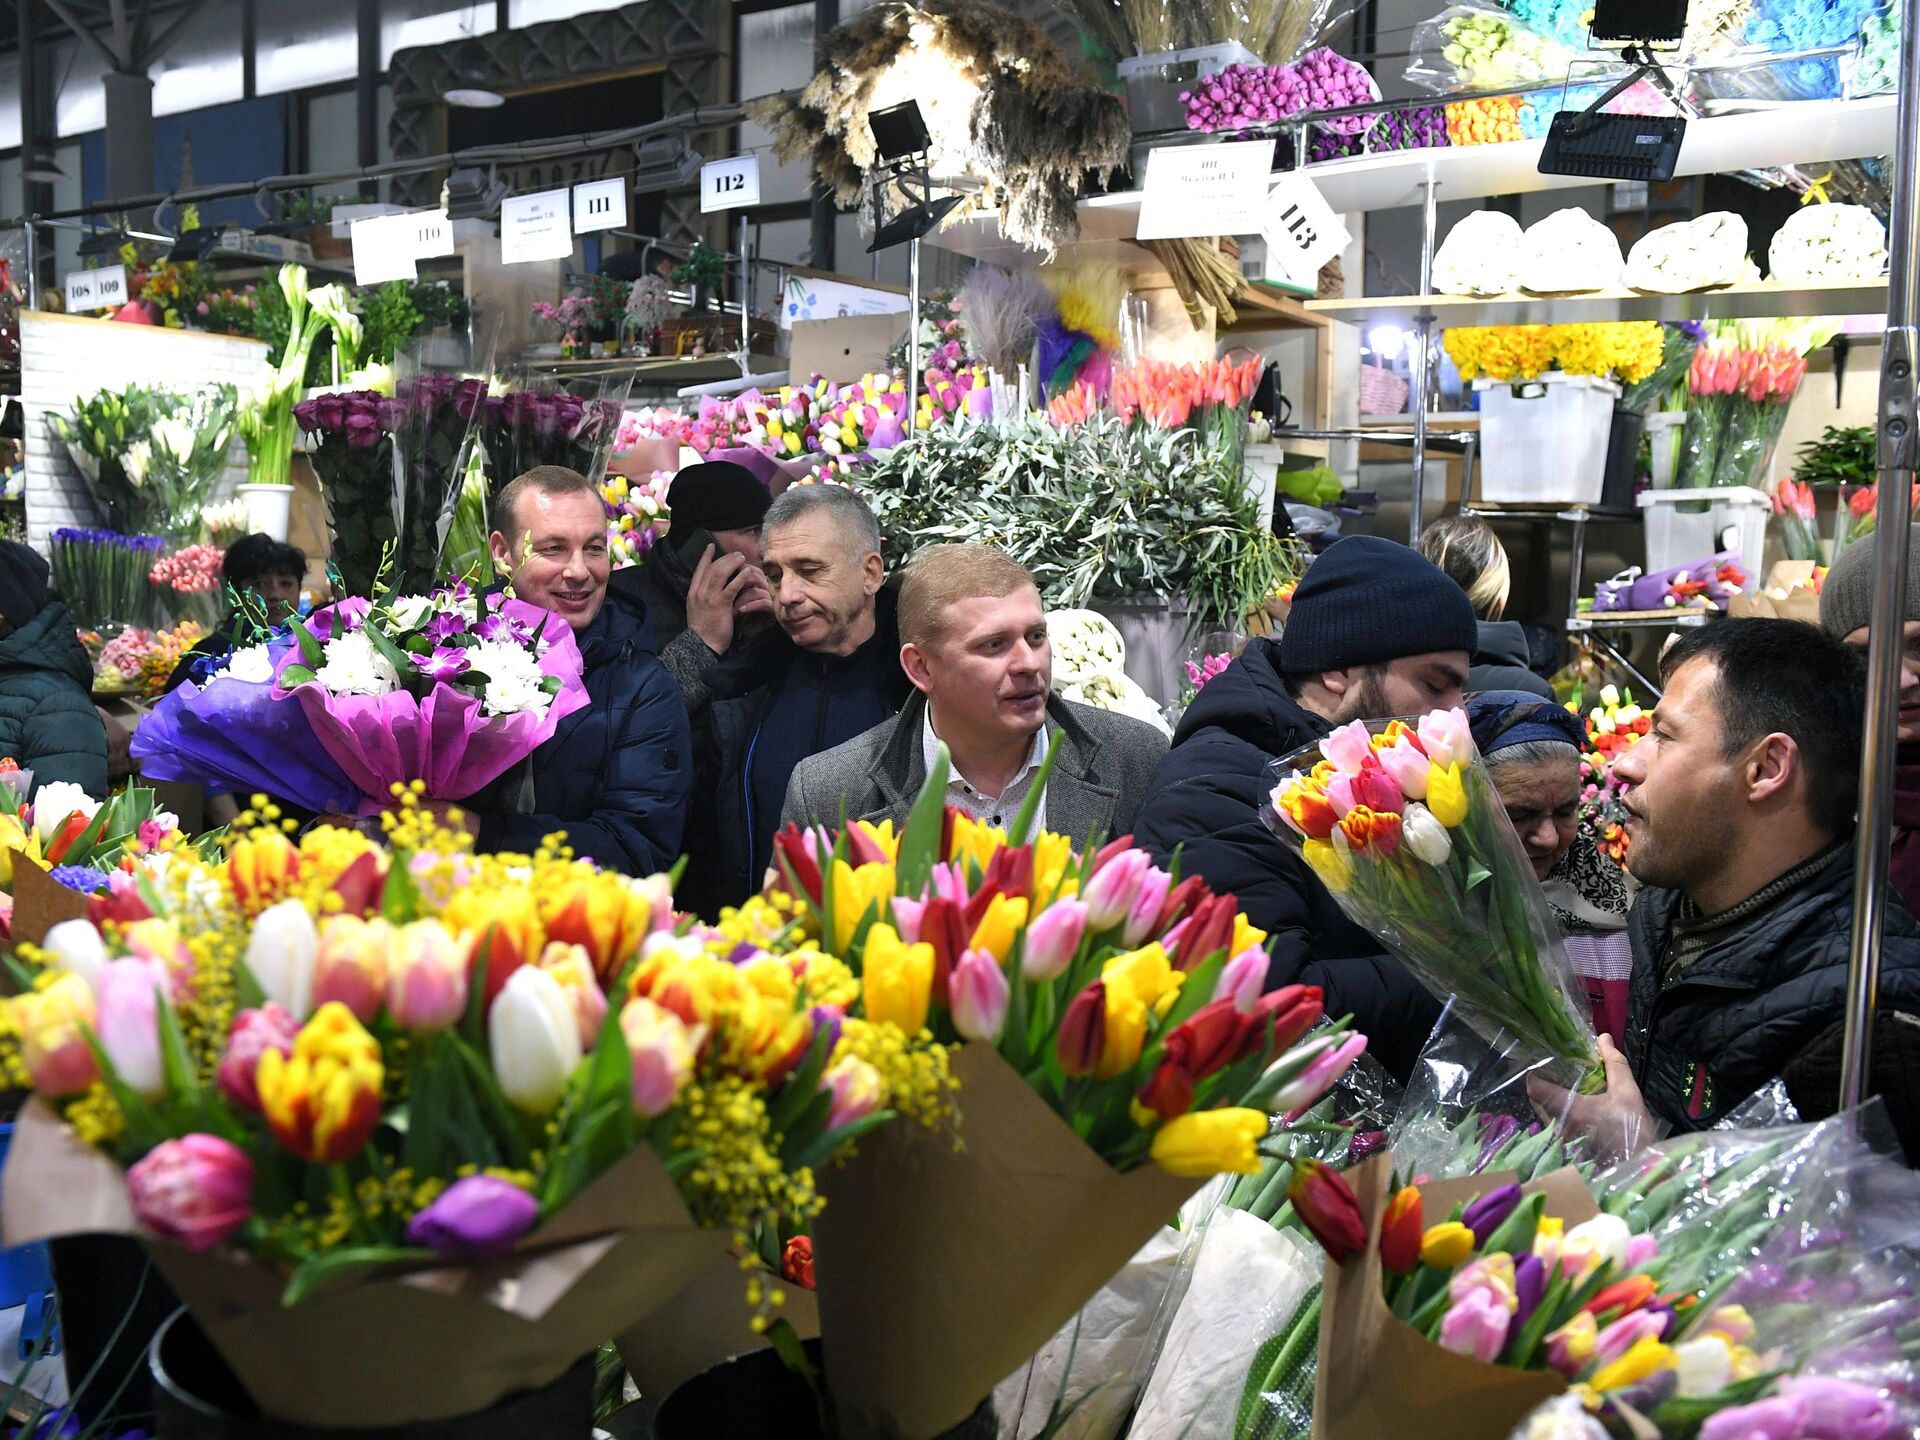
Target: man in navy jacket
[(616, 774), (1375, 630)]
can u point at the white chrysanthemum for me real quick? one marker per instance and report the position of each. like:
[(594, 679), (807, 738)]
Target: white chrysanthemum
[(503, 660), (516, 696), (353, 667), (410, 612), (1828, 243), (251, 663), (54, 802)]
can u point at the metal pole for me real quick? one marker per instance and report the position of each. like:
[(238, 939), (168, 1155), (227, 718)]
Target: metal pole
[(1886, 640), (1422, 360), (913, 332), (746, 300)]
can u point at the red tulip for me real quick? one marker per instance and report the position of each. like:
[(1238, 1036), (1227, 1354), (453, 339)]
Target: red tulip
[(945, 927), (1083, 1031), (1400, 1232), (1326, 1205), (1624, 1296), (1168, 1091), (1188, 895), (796, 847), (1209, 929), (1292, 1010), (361, 883)]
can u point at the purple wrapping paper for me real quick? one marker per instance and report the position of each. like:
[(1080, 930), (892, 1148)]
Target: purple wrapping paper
[(379, 741), (236, 735)]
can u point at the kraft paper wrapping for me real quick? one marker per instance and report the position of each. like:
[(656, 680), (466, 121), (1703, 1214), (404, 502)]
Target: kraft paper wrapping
[(707, 1323), (402, 1345), (1380, 1377), (941, 1271), (1785, 596), (40, 902)]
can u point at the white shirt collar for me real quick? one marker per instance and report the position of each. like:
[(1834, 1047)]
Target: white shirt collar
[(956, 782)]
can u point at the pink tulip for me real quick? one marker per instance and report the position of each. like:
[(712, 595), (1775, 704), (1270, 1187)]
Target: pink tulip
[(254, 1033), (906, 918), (950, 883), (1052, 940), (52, 1022), (1340, 794), (427, 981), (1303, 1092), (663, 1048), (1445, 737), (573, 968), (977, 993), (1405, 762), (351, 965), (1621, 1335), (1641, 1251), (1110, 892), (157, 941), (1145, 910), (1347, 746), (129, 1025), (1243, 978), (195, 1191), (1374, 788), (1571, 1346), (1476, 1326), (856, 1090), (1783, 1417)]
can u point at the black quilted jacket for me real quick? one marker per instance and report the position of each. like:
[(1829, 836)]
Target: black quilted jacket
[(1767, 1000)]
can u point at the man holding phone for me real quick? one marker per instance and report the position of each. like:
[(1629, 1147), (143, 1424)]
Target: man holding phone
[(702, 585)]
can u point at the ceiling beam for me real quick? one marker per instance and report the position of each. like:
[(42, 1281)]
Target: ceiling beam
[(174, 31)]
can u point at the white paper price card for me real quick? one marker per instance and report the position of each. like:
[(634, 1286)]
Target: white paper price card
[(600, 205), (383, 249), (96, 289), (1302, 232), (535, 227), (730, 184), (1205, 190)]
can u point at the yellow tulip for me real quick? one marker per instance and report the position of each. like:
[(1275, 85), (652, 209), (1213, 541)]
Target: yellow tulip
[(854, 892), (13, 836), (1445, 1245), (1006, 916), (260, 867), (323, 1101), (52, 1022), (1446, 794), (1123, 1033), (607, 915), (1643, 1358), (1207, 1142), (974, 841), (1245, 934), (1330, 863), (1145, 973), (1052, 858), (882, 835), (898, 980)]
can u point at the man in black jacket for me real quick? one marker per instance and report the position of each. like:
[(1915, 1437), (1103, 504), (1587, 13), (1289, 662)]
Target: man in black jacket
[(1741, 825), (702, 585), (617, 773), (1375, 630), (829, 672)]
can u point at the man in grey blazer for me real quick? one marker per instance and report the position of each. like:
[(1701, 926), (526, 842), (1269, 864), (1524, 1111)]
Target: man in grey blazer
[(974, 643)]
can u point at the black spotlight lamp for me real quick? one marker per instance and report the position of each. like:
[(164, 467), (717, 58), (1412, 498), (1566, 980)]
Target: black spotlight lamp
[(900, 136)]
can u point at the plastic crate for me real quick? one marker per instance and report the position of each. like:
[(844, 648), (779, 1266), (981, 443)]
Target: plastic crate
[(1734, 518), (1663, 445), (1154, 81), (1544, 441)]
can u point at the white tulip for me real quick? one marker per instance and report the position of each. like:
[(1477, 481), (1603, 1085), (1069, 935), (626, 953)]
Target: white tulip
[(281, 953), (534, 1038), (1424, 835), (1704, 1367), (76, 945), (54, 802)]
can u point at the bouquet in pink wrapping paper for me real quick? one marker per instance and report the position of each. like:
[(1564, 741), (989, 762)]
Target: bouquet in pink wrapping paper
[(451, 689)]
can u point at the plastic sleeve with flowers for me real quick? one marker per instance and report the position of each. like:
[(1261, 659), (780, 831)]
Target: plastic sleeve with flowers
[(548, 425), (434, 419), (1403, 826), (1756, 413), (1712, 378), (350, 444)]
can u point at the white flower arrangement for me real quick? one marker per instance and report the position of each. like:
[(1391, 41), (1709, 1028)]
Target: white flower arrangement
[(1827, 243), (1692, 254), (250, 663), (1089, 666), (351, 665)]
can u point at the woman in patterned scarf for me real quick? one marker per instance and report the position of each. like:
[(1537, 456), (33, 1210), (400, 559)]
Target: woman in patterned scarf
[(1532, 750)]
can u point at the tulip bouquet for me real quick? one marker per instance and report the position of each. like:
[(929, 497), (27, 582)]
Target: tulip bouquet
[(187, 583), (1793, 503), (1857, 513), (1612, 726), (395, 1096), (1402, 824), (451, 689), (351, 448), (636, 515), (546, 425), (1114, 1048), (1211, 397), (103, 576), (140, 662)]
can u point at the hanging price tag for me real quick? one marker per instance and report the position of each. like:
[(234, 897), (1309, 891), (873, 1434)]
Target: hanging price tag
[(601, 205), (730, 184), (1205, 190), (535, 227), (96, 289), (383, 249), (432, 233), (1301, 230)]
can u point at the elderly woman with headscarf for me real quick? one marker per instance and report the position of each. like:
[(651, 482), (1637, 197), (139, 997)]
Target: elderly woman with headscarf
[(1532, 750)]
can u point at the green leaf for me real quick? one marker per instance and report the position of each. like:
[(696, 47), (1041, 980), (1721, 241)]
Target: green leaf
[(1023, 821), (334, 1266), (310, 650), (920, 838)]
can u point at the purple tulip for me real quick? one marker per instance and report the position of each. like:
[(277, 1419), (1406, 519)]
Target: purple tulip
[(1489, 1212), (1529, 1284), (478, 1218), (1841, 1409), (1781, 1418), (827, 1021), (1365, 1143)]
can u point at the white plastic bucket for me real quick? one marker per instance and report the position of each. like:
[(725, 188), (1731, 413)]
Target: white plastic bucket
[(269, 508), (1544, 441), (1735, 519)]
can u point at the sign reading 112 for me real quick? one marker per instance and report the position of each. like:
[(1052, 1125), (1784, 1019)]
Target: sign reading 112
[(730, 184)]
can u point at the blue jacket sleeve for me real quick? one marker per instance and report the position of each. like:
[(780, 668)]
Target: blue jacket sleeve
[(640, 808)]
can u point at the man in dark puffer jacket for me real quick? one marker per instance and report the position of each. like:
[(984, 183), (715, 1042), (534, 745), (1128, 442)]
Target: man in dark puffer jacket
[(616, 774), (1375, 630), (1742, 829), (47, 720)]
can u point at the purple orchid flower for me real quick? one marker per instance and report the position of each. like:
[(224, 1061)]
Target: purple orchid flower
[(445, 663), (445, 625)]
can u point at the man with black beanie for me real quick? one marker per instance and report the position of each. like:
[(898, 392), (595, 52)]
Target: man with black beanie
[(702, 584), (1375, 630), (47, 720)]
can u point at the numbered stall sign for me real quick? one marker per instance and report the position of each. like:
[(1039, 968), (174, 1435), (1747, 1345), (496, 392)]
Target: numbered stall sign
[(1204, 190), (96, 289), (730, 184), (1302, 231), (601, 205), (536, 227)]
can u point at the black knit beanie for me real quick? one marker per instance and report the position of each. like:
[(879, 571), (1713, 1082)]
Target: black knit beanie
[(717, 495), (23, 582), (1367, 601)]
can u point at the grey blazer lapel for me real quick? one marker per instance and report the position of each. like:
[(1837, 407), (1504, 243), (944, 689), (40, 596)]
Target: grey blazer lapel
[(1077, 803), (899, 769)]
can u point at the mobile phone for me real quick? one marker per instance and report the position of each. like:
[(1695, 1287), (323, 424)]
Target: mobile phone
[(691, 546)]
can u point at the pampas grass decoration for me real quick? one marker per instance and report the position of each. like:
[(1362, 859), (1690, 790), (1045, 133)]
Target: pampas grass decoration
[(999, 314)]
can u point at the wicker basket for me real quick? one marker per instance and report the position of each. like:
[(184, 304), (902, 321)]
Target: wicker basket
[(1381, 391)]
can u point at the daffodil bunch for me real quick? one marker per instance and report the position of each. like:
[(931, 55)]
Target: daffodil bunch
[(334, 1053), (1630, 350), (1403, 826), (1130, 999)]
